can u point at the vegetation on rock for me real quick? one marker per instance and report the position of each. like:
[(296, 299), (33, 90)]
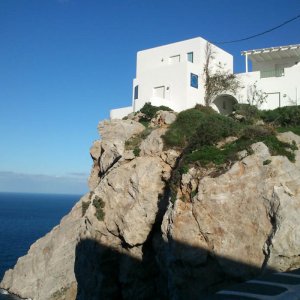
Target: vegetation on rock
[(150, 110), (99, 204), (197, 131), (85, 206), (135, 142), (282, 116)]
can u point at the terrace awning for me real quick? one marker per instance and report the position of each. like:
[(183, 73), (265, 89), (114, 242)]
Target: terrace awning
[(267, 54)]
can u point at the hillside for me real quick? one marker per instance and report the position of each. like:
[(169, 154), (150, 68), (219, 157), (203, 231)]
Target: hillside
[(180, 206)]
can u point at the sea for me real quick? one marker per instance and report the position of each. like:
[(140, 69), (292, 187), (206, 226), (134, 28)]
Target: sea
[(24, 218)]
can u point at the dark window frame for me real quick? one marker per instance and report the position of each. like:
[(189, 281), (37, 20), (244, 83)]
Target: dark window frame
[(136, 92), (194, 81)]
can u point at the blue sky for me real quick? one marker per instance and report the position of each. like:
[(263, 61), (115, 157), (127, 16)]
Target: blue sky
[(65, 63)]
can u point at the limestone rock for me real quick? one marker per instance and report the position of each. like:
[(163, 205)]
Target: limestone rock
[(241, 222), (95, 150), (170, 156), (163, 117), (94, 177), (153, 144), (119, 130), (128, 239), (114, 133), (131, 200), (48, 268)]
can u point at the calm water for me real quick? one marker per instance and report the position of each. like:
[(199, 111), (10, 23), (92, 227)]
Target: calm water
[(23, 219)]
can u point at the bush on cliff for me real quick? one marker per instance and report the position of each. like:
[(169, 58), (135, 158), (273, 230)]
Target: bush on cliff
[(196, 127), (282, 116), (185, 125), (197, 133), (150, 110), (99, 204), (250, 112), (134, 142)]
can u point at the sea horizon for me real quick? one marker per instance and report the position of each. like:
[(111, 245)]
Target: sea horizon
[(26, 217)]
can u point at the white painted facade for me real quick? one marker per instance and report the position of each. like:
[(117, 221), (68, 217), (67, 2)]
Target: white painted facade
[(276, 72), (172, 75)]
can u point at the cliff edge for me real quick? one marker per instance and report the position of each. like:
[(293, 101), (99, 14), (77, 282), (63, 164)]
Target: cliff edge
[(135, 236)]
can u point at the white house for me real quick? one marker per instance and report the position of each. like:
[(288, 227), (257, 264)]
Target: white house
[(276, 71), (172, 75)]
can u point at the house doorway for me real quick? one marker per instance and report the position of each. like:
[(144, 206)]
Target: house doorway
[(224, 104)]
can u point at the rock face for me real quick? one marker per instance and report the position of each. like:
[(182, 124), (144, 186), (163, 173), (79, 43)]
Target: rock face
[(126, 239)]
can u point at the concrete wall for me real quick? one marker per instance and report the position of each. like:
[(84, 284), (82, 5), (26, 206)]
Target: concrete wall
[(120, 113)]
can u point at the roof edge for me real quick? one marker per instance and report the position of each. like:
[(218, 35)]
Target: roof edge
[(271, 49)]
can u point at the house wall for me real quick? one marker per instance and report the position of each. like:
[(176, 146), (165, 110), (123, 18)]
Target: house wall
[(159, 57), (282, 91), (156, 67), (120, 113)]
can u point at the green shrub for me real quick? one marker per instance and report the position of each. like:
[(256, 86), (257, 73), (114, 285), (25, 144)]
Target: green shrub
[(205, 109), (277, 147), (266, 162), (282, 116), (184, 169), (136, 151), (212, 129), (84, 207), (99, 204), (250, 112), (294, 129), (207, 154), (193, 193), (183, 128), (149, 110), (134, 142), (256, 131)]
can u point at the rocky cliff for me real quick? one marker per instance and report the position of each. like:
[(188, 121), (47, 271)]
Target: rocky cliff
[(129, 239)]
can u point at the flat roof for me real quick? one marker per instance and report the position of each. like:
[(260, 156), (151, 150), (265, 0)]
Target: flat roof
[(265, 54)]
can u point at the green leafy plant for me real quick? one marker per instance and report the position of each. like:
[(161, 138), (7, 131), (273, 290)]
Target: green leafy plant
[(250, 112), (205, 109), (99, 204), (217, 80), (183, 128), (136, 151), (149, 110), (84, 207), (266, 162), (294, 129), (134, 142), (282, 116)]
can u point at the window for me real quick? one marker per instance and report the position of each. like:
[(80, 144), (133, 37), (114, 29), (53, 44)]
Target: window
[(174, 59), (194, 80), (136, 92), (190, 57), (159, 92)]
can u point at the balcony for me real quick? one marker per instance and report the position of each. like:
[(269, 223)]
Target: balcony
[(272, 73)]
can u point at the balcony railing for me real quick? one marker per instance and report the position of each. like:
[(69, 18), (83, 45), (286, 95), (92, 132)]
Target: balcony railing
[(272, 73)]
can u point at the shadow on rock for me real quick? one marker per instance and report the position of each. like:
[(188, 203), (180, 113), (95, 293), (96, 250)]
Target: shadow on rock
[(104, 273)]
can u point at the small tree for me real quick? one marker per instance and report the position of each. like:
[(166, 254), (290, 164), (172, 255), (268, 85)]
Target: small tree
[(255, 96), (219, 81)]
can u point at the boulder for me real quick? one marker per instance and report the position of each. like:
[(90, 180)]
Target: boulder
[(153, 144), (163, 118)]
